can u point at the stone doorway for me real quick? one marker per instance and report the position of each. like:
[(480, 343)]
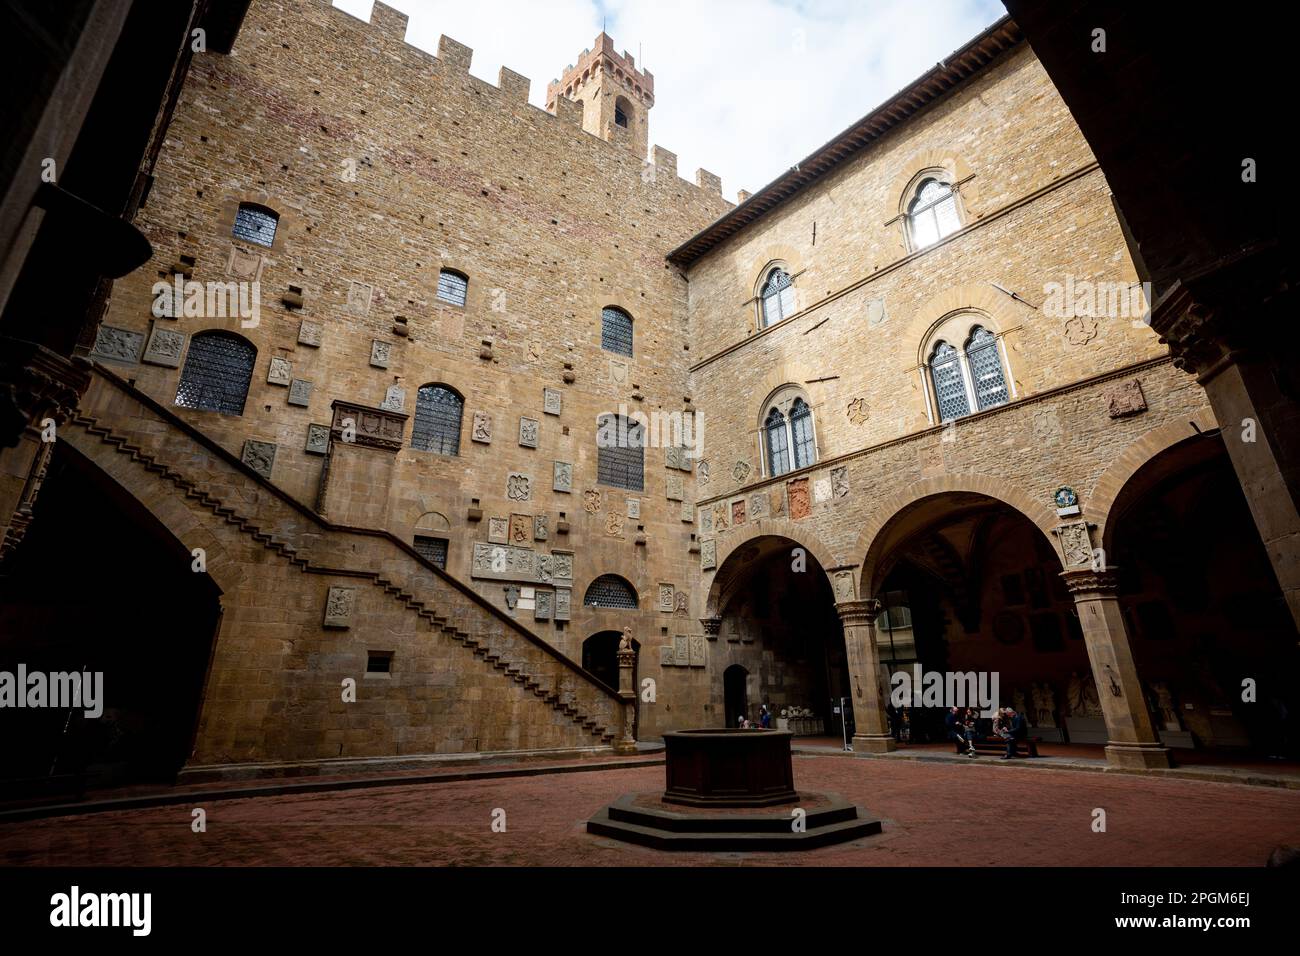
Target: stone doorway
[(99, 585), (735, 694)]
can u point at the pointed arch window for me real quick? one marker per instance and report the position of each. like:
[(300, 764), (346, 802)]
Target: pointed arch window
[(801, 429), (217, 371), (438, 412), (777, 297), (778, 442), (788, 438), (972, 379), (932, 213)]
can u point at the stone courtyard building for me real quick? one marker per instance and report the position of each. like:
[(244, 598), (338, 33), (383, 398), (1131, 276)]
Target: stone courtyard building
[(345, 426)]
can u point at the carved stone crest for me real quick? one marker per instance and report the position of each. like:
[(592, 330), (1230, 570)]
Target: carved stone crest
[(1125, 398), (674, 489), (164, 347), (721, 517), (359, 295), (339, 604), (123, 345), (562, 477), (552, 401), (481, 431), (740, 471), (498, 530), (279, 372), (614, 524), (394, 399), (840, 482), (300, 392), (800, 503), (667, 598), (519, 487), (1076, 544), (521, 529), (858, 411), (708, 554), (380, 353), (844, 590), (738, 513), (309, 333), (318, 439), (591, 501), (1080, 329), (528, 430), (541, 529), (260, 456)]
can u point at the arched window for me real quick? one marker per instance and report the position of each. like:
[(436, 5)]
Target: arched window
[(949, 385), (452, 287), (217, 371), (788, 432), (254, 223), (802, 430), (777, 297), (986, 376), (620, 453), (932, 214), (437, 420), (615, 330), (971, 380), (609, 590), (778, 442)]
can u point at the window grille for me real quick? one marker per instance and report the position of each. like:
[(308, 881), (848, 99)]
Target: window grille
[(609, 590), (616, 331), (437, 420), (255, 224), (217, 371)]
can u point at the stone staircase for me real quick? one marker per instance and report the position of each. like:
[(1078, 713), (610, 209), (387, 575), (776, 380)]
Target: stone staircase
[(164, 461)]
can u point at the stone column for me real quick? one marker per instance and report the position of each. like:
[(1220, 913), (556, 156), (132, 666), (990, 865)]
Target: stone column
[(871, 733), (627, 692), (1133, 740)]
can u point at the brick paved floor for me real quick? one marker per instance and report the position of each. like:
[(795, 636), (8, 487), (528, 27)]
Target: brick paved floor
[(934, 814)]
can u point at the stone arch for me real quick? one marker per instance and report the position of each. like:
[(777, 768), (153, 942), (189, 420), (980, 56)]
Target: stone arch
[(799, 535), (980, 298), (1100, 502), (929, 161), (872, 541), (187, 524)]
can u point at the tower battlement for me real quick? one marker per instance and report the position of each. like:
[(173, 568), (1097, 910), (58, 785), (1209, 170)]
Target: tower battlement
[(616, 97)]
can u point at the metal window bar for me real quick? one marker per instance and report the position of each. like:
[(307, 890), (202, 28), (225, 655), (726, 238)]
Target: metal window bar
[(255, 225), (805, 452), (609, 590), (452, 287), (437, 420), (217, 371), (433, 550), (986, 370), (778, 444), (949, 389), (623, 464), (616, 331)]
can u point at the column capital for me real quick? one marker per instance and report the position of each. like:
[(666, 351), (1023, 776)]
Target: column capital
[(712, 625), (864, 611), (1092, 580)]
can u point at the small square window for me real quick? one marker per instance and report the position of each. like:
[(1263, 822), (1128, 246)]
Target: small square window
[(452, 287), (433, 550), (379, 663)]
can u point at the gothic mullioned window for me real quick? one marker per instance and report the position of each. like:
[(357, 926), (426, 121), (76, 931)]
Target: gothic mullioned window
[(969, 380), (788, 432), (452, 287), (437, 420), (217, 371), (255, 223), (932, 214), (609, 590), (615, 330), (777, 297)]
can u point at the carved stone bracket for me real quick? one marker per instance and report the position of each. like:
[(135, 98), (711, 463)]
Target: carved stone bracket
[(36, 383)]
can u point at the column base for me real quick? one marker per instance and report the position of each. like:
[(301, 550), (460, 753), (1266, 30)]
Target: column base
[(1138, 756), (625, 746), (873, 743)]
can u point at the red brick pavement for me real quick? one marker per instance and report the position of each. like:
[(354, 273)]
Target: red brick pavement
[(940, 814)]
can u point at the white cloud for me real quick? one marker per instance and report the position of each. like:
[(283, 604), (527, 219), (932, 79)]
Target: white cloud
[(744, 88)]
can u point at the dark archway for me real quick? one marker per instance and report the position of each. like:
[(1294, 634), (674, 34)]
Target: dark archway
[(1203, 607), (99, 585), (735, 694), (600, 659), (780, 625)]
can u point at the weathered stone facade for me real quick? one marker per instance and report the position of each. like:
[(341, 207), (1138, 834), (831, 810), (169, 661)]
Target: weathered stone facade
[(387, 165)]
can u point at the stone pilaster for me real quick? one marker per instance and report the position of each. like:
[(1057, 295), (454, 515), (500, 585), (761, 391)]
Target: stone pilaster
[(1133, 740), (871, 733), (627, 691)]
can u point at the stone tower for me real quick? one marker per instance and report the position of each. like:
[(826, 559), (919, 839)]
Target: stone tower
[(615, 96)]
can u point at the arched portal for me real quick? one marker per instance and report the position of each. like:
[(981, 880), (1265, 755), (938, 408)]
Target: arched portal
[(778, 623), (969, 584), (1202, 604), (99, 585)]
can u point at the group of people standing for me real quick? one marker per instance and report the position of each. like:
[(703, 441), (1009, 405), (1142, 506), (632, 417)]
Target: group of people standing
[(1008, 725)]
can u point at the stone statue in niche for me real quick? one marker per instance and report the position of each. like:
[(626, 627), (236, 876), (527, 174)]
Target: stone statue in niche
[(625, 642), (1091, 702), (1044, 704)]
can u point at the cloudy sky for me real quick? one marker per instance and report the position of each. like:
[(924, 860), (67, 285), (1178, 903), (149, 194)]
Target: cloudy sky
[(744, 88)]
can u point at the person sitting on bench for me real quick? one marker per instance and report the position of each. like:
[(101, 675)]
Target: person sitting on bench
[(1016, 730), (956, 727)]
